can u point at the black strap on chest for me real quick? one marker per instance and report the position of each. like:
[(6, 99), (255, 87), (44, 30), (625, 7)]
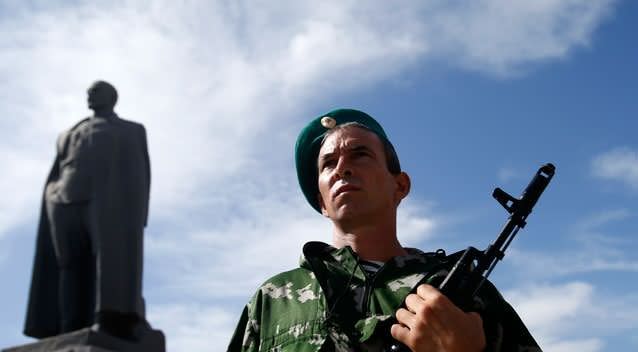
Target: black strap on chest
[(341, 310)]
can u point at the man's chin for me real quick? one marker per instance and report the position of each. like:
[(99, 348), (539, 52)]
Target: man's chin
[(346, 213)]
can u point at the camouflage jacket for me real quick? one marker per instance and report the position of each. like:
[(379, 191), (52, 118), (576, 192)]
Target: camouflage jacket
[(331, 304)]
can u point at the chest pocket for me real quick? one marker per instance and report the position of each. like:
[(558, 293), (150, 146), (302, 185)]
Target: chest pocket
[(309, 336)]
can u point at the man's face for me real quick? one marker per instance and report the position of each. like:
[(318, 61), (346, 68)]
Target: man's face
[(354, 181), (99, 96)]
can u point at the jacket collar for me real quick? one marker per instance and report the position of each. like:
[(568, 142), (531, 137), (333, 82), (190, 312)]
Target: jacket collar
[(345, 260)]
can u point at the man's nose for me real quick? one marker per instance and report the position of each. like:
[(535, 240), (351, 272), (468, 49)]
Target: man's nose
[(343, 168)]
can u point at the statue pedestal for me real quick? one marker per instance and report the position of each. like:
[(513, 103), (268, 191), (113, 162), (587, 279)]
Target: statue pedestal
[(87, 340)]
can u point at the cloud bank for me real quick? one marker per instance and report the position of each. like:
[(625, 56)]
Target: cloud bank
[(594, 246), (211, 81), (567, 317), (620, 165)]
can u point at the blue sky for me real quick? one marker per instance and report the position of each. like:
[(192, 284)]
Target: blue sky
[(473, 94)]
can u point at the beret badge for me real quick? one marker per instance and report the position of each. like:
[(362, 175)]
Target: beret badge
[(328, 122)]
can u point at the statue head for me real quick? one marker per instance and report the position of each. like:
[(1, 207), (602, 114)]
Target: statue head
[(101, 96)]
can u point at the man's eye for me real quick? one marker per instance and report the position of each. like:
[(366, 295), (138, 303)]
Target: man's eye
[(327, 164)]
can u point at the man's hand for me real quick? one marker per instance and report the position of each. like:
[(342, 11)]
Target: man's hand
[(432, 323)]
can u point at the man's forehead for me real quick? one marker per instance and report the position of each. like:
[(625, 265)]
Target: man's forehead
[(349, 138)]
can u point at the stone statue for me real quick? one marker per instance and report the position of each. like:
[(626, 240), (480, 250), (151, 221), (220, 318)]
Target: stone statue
[(89, 251)]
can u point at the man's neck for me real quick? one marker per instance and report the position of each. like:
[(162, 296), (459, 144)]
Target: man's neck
[(371, 242), (104, 113)]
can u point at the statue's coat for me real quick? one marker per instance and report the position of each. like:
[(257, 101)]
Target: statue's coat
[(108, 158)]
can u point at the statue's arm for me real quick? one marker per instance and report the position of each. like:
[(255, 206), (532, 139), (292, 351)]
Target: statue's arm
[(147, 163)]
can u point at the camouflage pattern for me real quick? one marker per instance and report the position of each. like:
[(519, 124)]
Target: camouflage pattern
[(330, 303)]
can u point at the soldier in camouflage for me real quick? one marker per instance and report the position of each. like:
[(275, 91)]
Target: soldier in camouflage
[(365, 290)]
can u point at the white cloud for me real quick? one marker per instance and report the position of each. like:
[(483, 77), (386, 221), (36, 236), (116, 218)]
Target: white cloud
[(576, 315), (210, 80), (593, 247), (620, 164), (20, 200), (573, 316), (416, 223), (193, 327), (594, 222), (546, 307), (501, 36), (582, 345), (245, 250), (506, 174), (571, 261), (208, 90)]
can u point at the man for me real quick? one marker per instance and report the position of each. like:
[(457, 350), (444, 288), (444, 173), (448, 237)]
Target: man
[(345, 297), (88, 261)]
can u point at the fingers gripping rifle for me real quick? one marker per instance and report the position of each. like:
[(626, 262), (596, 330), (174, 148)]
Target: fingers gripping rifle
[(470, 272)]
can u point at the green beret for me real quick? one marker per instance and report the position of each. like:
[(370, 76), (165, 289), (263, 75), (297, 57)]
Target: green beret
[(309, 143)]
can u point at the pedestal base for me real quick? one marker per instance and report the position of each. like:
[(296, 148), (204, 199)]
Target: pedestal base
[(87, 340)]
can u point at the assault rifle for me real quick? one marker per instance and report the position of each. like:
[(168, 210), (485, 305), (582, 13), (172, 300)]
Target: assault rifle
[(469, 273)]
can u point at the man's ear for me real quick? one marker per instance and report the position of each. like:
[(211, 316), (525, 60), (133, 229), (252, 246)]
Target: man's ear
[(403, 186), (322, 205)]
